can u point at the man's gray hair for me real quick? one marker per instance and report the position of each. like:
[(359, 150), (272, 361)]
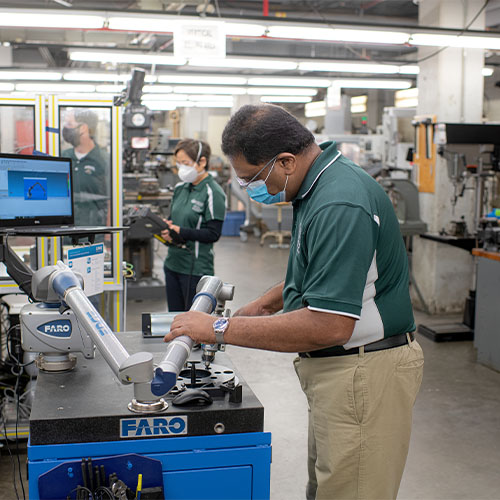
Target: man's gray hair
[(88, 117)]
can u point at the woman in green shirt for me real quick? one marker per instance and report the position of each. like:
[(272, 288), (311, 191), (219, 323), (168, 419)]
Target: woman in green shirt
[(197, 213)]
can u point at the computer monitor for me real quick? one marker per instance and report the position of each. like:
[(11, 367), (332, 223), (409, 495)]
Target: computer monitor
[(35, 191)]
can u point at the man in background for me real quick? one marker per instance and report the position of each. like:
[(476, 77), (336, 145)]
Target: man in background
[(90, 168)]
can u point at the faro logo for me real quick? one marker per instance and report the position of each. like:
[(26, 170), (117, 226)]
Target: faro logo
[(156, 426), (57, 328)]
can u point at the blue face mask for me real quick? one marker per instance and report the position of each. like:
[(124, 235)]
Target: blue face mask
[(257, 190)]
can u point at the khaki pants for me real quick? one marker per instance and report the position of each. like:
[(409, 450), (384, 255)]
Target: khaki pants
[(360, 417)]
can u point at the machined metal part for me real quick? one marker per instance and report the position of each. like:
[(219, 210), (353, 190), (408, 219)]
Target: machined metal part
[(55, 362), (148, 407), (161, 322), (198, 377)]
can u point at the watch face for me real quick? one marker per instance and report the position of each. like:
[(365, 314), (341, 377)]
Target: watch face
[(138, 119), (220, 323)]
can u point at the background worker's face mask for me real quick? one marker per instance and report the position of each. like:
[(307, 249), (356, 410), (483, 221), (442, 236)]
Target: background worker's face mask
[(257, 190), (72, 135), (187, 173)]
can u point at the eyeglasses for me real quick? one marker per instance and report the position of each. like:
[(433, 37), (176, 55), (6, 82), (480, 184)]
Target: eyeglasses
[(244, 184)]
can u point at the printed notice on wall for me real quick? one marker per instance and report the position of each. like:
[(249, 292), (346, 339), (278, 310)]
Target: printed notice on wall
[(200, 41), (89, 262)]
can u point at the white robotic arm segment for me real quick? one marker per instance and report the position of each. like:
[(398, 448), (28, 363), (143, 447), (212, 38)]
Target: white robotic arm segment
[(137, 368)]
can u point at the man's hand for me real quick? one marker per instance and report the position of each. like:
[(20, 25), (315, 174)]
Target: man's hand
[(253, 308), (194, 324)]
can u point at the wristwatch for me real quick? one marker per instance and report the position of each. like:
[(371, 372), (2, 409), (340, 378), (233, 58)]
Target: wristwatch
[(220, 326)]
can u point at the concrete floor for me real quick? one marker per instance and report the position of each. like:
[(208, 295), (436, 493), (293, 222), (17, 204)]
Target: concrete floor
[(455, 447)]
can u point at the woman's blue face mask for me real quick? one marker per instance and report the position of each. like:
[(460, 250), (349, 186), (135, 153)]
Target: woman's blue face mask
[(257, 190)]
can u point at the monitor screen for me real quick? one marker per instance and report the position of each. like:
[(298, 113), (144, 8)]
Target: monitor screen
[(35, 190)]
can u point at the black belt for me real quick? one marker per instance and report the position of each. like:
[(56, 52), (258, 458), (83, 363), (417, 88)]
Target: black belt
[(380, 345)]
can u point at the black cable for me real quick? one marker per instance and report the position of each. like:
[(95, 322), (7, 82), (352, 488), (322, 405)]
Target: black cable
[(17, 434), (18, 363), (80, 488), (106, 490), (11, 457)]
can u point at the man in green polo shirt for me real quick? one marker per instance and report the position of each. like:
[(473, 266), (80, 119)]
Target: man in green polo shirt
[(345, 300)]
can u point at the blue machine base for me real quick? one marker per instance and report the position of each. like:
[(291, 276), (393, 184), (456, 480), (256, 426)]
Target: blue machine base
[(224, 467)]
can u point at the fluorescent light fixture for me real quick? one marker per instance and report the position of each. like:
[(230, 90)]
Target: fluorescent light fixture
[(470, 42), (358, 108), (431, 39), (137, 23), (164, 97), (212, 98), (314, 109), (6, 87), (82, 76), (487, 71), (285, 98), (342, 67), (126, 57), (409, 70), (479, 42), (208, 104), (274, 64), (202, 79), (371, 36), (337, 35), (281, 91), (411, 102), (244, 29), (406, 98), (157, 89), (209, 90), (30, 75), (54, 87), (373, 84), (289, 82), (150, 78), (359, 99), (358, 104), (64, 3), (113, 89), (406, 94), (40, 19)]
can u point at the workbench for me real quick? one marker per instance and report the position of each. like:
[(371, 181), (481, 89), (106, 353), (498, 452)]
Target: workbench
[(212, 452)]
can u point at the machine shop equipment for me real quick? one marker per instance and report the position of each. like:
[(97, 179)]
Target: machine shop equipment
[(472, 153), (83, 409)]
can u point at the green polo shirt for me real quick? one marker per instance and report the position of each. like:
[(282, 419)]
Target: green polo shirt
[(91, 176), (347, 255), (192, 207)]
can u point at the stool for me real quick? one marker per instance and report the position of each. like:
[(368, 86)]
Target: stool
[(279, 234)]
